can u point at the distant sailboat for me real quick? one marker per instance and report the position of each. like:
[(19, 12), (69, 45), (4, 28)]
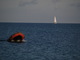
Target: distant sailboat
[(54, 20)]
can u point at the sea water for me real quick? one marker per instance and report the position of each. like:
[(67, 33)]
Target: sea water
[(44, 41)]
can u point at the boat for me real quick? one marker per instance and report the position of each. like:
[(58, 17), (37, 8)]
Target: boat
[(55, 21), (17, 37)]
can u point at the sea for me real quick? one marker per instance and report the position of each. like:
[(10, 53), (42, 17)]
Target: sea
[(44, 41)]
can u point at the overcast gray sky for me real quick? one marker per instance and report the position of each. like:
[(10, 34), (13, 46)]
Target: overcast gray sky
[(40, 11)]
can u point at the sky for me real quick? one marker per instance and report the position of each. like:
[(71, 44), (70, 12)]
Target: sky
[(40, 11)]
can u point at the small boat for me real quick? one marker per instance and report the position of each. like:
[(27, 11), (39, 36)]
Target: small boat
[(55, 21), (17, 37)]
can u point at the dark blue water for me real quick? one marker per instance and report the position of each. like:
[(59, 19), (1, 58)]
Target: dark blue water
[(44, 41)]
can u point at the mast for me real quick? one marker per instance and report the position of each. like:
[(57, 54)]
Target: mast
[(55, 8)]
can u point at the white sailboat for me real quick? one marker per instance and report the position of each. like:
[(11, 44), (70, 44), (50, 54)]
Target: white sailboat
[(55, 21)]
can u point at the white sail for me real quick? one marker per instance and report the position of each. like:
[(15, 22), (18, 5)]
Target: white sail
[(55, 20)]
